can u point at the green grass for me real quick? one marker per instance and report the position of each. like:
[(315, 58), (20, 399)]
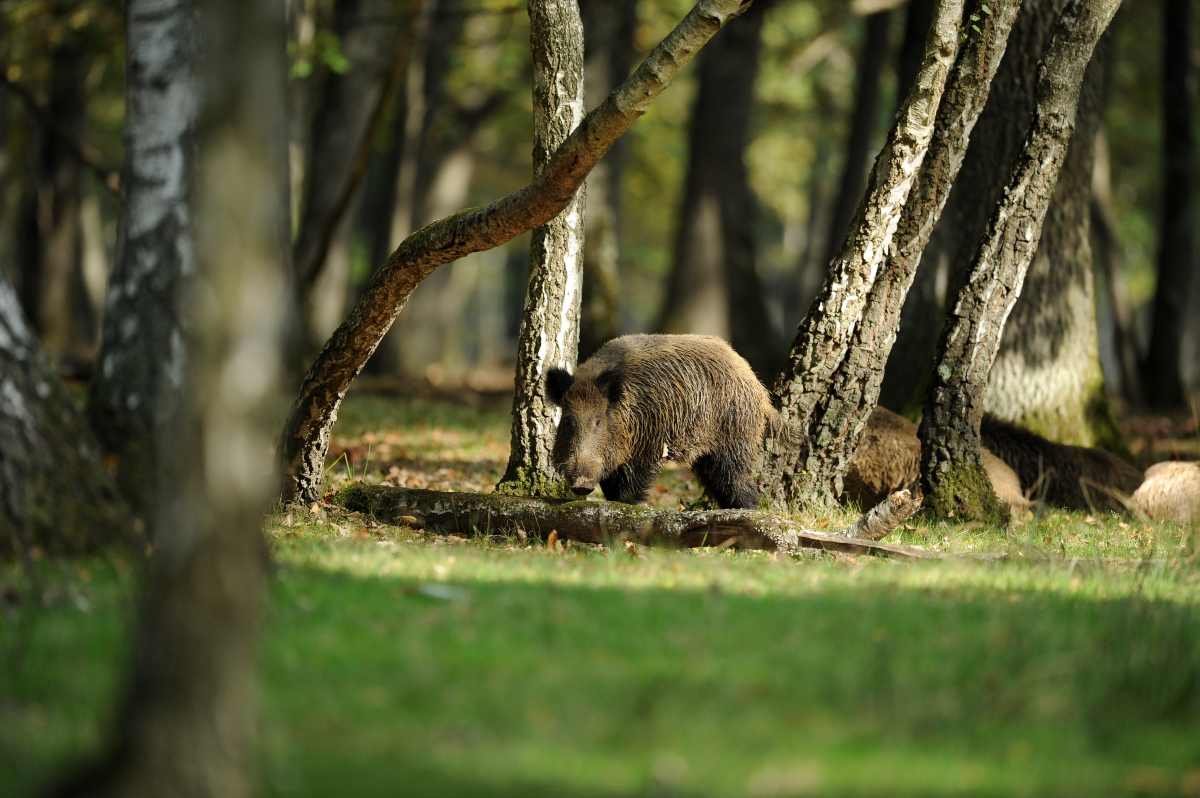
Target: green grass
[(396, 663)]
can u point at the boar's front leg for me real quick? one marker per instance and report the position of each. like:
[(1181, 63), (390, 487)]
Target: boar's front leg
[(630, 482)]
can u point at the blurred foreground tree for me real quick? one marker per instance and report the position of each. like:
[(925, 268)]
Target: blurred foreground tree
[(138, 388), (305, 439), (1177, 261), (187, 721), (714, 286), (955, 483)]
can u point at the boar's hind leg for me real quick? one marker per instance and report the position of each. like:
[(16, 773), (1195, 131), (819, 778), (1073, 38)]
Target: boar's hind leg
[(728, 480), (629, 483)]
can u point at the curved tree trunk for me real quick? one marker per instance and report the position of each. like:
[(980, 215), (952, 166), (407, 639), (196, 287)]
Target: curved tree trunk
[(305, 437), (48, 454), (138, 388), (549, 334), (1177, 264), (609, 52), (824, 342), (951, 470), (714, 288), (187, 721)]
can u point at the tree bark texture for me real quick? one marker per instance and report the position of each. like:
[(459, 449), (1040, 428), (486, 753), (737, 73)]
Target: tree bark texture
[(868, 79), (714, 287), (48, 454), (549, 333), (609, 52), (51, 287), (951, 469), (604, 522), (186, 724), (839, 418), (1047, 375), (825, 339), (1177, 263), (918, 17), (138, 387), (349, 108), (306, 433)]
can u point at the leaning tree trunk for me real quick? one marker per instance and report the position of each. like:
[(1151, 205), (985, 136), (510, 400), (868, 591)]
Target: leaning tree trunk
[(348, 110), (305, 437), (187, 721), (792, 474), (837, 421), (868, 77), (549, 333), (951, 470), (48, 454), (714, 287), (1177, 238), (609, 52), (137, 389)]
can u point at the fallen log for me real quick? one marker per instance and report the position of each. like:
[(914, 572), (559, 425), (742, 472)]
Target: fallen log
[(604, 522)]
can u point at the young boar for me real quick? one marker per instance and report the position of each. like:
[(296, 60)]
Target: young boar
[(641, 399)]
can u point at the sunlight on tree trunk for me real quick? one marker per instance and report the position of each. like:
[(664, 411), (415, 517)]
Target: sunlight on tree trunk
[(951, 467), (305, 438), (549, 335), (138, 386), (792, 474)]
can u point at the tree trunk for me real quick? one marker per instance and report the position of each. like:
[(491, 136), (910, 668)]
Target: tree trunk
[(52, 288), (348, 110), (918, 18), (823, 355), (868, 77), (1177, 262), (609, 52), (606, 522), (48, 454), (137, 390), (549, 334), (186, 725), (1047, 376), (714, 287), (951, 469), (306, 433)]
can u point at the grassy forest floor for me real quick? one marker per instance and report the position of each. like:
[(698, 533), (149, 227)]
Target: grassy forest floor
[(400, 663)]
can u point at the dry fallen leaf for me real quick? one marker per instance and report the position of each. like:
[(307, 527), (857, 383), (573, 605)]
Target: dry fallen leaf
[(631, 548)]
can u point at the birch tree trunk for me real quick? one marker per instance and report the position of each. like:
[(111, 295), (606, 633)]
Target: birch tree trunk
[(305, 437), (839, 418), (955, 483), (138, 387), (549, 333), (48, 454), (186, 724), (714, 287), (1177, 264), (824, 341)]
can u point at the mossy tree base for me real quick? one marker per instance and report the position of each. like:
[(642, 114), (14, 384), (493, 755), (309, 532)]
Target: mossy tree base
[(964, 493)]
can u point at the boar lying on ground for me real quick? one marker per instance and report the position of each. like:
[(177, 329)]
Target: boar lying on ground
[(1171, 492), (641, 399)]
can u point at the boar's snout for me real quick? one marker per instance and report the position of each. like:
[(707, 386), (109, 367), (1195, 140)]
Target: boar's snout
[(582, 486)]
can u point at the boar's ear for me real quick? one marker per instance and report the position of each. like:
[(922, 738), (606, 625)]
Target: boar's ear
[(611, 384), (558, 381)]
